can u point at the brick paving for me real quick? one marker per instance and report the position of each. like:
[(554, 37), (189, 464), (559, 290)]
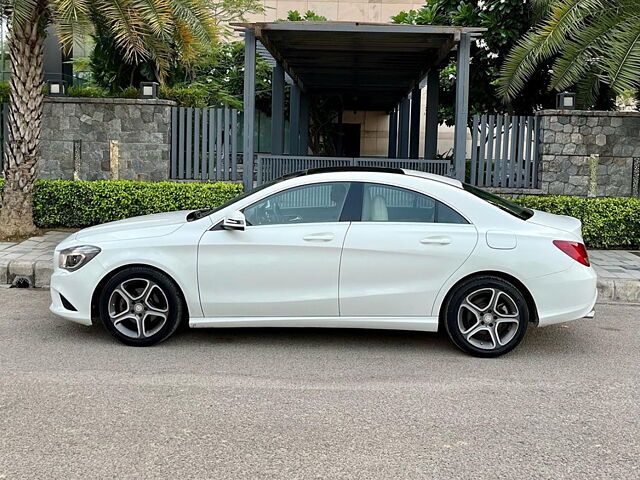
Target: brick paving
[(31, 261)]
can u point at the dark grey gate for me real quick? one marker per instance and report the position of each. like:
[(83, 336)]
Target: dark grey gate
[(270, 167), (504, 151), (204, 143)]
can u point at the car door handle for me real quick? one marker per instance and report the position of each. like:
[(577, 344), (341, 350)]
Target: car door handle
[(436, 241), (318, 237)]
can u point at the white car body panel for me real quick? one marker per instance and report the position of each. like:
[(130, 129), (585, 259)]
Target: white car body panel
[(401, 272), (293, 270), (271, 276)]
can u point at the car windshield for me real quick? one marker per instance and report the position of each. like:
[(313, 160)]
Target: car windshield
[(198, 214), (503, 204)]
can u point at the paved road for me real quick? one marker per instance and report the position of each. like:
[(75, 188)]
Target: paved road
[(315, 404)]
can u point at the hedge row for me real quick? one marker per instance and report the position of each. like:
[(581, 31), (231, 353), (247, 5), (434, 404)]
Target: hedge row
[(606, 222), (65, 203)]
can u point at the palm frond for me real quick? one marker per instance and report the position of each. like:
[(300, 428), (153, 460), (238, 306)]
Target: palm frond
[(565, 18), (582, 51), (126, 26), (157, 15), (72, 20), (587, 89), (622, 61)]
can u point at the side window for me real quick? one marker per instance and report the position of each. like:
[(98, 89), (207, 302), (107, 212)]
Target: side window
[(384, 203), (319, 202)]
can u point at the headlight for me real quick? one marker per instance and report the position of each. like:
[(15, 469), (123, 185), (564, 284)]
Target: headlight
[(75, 257)]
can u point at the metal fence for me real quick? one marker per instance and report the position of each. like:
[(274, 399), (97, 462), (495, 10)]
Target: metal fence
[(204, 144), (270, 167), (504, 151)]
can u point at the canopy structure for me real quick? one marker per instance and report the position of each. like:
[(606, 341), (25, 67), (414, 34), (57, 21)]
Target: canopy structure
[(372, 66)]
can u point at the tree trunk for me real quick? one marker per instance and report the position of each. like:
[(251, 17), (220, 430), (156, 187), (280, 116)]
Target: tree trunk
[(22, 150)]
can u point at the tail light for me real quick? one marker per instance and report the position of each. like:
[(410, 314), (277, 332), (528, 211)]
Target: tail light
[(575, 250)]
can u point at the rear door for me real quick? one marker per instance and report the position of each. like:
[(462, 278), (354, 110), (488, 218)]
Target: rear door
[(396, 259)]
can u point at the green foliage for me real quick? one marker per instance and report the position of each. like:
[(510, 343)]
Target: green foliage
[(218, 75), (65, 203), (591, 42), (505, 21), (606, 222), (4, 92), (309, 16)]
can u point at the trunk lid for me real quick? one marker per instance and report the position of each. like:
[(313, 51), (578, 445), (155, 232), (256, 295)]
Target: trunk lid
[(559, 222)]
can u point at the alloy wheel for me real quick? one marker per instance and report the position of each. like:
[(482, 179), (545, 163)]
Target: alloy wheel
[(138, 308), (488, 318)]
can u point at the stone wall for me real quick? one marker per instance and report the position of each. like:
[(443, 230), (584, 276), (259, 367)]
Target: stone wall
[(589, 153), (105, 138)]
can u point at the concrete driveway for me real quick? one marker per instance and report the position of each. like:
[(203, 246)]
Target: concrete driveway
[(315, 404)]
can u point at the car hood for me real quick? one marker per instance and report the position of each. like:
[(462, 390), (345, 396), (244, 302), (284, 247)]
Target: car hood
[(559, 222), (145, 226)]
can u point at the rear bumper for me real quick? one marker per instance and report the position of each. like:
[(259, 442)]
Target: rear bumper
[(565, 296)]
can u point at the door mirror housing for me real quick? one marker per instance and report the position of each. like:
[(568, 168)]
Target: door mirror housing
[(234, 221)]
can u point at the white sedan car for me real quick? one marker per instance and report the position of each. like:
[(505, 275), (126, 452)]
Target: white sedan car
[(352, 248)]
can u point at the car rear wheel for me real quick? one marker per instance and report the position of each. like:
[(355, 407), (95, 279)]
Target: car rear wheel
[(140, 306), (486, 317)]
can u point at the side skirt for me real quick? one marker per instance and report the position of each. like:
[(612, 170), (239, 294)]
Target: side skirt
[(423, 324)]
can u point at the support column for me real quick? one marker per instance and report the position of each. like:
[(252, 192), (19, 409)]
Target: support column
[(462, 106), (277, 110), (305, 103), (431, 125), (294, 120), (393, 134), (403, 134), (414, 138), (249, 106)]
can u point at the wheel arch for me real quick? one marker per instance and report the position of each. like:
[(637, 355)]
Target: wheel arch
[(95, 317), (531, 304)]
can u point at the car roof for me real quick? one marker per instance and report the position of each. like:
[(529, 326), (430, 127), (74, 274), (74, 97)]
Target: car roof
[(397, 171)]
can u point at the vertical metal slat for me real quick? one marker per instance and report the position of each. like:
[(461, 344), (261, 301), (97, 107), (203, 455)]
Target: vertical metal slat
[(196, 143), (234, 144), (181, 123), (483, 143), (203, 148), (189, 139), (474, 150), (212, 144), (497, 174), (174, 142), (489, 165), (227, 141), (218, 144), (520, 157)]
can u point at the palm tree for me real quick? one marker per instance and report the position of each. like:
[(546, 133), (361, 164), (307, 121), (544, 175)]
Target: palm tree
[(156, 30), (591, 42)]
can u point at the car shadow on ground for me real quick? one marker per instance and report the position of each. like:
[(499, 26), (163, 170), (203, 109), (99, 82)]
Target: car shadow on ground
[(552, 340)]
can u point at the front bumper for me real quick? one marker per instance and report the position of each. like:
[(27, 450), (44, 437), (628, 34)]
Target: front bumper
[(77, 288)]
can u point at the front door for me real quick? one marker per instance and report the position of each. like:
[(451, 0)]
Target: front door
[(397, 258), (284, 264)]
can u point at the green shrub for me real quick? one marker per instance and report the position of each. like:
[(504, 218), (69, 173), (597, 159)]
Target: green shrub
[(606, 222), (87, 92), (66, 203)]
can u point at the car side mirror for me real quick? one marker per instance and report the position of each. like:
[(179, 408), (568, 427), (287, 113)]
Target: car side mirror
[(234, 221)]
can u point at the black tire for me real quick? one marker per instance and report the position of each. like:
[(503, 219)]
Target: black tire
[(479, 339), (159, 316)]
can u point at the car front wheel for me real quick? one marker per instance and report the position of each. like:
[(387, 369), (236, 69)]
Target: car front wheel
[(486, 317), (140, 306)]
